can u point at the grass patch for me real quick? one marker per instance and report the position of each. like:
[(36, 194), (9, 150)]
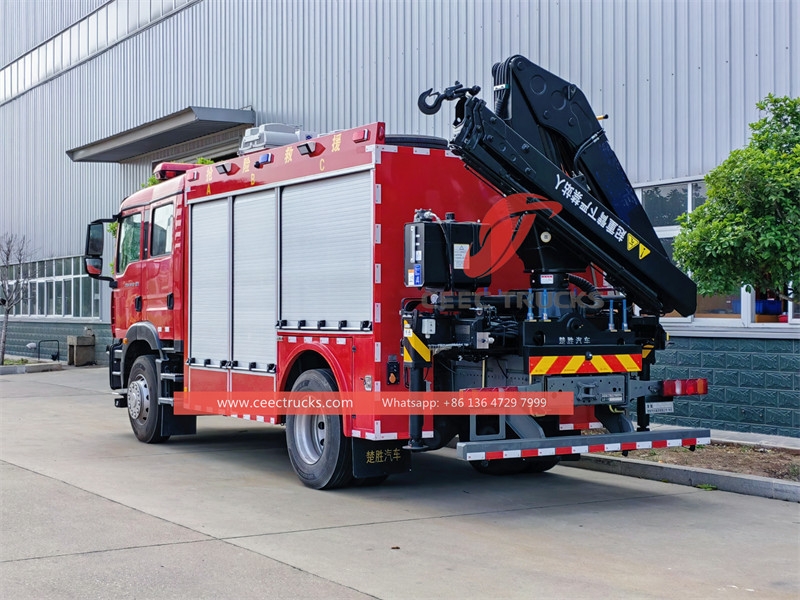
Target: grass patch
[(706, 486), (16, 361)]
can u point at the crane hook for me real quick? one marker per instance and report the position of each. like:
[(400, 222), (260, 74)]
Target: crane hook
[(451, 93), (433, 107)]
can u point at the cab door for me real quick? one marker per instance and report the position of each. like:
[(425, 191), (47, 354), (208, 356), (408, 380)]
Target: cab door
[(157, 275), (127, 297)]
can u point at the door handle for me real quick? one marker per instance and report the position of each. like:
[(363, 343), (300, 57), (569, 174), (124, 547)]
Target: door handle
[(137, 304)]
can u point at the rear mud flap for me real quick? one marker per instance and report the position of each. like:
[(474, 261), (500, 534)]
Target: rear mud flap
[(373, 459)]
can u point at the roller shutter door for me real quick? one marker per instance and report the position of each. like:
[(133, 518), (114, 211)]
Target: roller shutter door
[(254, 280), (326, 253), (209, 276)]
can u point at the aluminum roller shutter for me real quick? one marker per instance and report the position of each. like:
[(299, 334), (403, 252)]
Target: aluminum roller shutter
[(326, 251), (209, 267), (255, 275)]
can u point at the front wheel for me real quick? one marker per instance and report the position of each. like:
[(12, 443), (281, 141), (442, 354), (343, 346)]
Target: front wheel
[(319, 452), (143, 409)]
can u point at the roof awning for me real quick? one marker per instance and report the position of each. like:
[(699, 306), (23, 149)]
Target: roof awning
[(182, 126)]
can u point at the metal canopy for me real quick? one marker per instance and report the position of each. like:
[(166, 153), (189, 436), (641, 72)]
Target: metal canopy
[(188, 124)]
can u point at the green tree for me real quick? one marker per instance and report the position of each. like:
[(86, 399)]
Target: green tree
[(748, 231)]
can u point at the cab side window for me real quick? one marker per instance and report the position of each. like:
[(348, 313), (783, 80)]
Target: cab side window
[(161, 237), (130, 231)]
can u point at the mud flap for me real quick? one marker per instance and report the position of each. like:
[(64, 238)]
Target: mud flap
[(373, 459), (172, 424)]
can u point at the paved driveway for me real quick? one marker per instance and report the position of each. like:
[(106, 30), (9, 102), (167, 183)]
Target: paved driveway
[(89, 512)]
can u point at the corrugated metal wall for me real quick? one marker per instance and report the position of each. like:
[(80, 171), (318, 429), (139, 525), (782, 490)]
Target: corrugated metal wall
[(680, 80), (28, 23)]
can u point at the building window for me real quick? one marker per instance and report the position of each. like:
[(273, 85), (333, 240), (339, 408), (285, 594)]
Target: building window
[(793, 308), (663, 205), (88, 37), (59, 288)]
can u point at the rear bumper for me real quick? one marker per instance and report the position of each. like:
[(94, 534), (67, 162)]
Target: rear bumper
[(579, 444)]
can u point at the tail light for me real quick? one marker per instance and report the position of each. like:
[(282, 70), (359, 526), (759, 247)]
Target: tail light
[(685, 387)]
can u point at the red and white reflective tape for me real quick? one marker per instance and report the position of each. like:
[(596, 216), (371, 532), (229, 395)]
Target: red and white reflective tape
[(617, 447), (259, 418), (377, 437), (292, 339), (579, 426)]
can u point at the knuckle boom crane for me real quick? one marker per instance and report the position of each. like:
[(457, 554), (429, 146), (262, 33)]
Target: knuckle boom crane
[(543, 149)]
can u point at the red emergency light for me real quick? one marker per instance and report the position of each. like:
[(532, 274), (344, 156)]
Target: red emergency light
[(311, 149), (685, 387), (168, 170), (227, 168)]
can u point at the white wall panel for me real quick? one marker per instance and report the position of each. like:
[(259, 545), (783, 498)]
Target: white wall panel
[(27, 23), (679, 78)]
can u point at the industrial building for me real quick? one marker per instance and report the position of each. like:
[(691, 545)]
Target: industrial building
[(94, 93)]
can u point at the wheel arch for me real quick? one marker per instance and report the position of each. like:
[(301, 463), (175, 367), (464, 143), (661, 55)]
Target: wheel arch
[(304, 359), (142, 338)]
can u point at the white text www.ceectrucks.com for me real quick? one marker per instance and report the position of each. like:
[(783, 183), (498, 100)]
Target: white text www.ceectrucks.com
[(285, 404)]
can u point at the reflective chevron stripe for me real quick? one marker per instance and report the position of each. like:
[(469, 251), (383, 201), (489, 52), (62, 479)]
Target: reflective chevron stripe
[(414, 349), (571, 365)]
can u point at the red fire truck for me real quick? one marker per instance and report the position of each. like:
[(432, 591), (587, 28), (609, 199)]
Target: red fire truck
[(358, 261)]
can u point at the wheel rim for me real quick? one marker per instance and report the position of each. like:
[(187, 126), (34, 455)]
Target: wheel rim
[(309, 435), (138, 399)]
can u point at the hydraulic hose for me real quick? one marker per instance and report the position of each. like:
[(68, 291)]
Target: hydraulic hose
[(501, 72), (591, 291)]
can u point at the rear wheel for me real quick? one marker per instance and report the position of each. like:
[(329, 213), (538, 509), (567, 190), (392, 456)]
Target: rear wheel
[(505, 466), (512, 466), (369, 481), (143, 409), (542, 464), (319, 452)]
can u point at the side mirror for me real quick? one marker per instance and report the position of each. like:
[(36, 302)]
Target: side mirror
[(93, 266), (93, 259), (94, 241)]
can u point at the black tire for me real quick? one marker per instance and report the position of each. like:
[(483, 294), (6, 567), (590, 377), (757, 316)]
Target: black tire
[(541, 464), (512, 466), (505, 466), (319, 452), (369, 481), (143, 409)]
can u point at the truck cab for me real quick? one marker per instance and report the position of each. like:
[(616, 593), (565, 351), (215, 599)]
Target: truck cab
[(146, 275)]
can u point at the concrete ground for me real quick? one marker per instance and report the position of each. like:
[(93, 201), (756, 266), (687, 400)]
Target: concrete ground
[(86, 511)]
